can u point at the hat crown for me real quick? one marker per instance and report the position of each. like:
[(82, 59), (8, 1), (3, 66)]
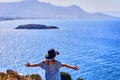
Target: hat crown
[(51, 51), (51, 54)]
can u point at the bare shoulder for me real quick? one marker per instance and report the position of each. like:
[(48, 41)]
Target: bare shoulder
[(44, 61), (63, 64)]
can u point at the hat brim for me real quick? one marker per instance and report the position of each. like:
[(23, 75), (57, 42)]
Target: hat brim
[(47, 56)]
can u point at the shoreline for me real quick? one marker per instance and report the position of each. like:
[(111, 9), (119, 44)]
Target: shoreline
[(12, 75)]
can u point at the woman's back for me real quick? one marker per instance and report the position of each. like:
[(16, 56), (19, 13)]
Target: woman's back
[(51, 69)]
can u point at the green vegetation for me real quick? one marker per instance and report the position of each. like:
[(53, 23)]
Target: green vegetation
[(12, 75), (34, 77), (80, 79), (65, 76)]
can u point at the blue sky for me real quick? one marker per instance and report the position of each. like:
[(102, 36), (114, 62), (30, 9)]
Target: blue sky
[(105, 6)]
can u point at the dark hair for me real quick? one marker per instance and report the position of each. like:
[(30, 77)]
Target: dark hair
[(51, 54)]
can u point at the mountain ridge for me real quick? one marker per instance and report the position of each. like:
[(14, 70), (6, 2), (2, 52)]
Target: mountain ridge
[(37, 9)]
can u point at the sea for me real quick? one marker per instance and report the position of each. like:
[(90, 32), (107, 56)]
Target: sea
[(91, 44)]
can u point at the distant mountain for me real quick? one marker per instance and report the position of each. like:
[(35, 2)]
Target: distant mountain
[(37, 9)]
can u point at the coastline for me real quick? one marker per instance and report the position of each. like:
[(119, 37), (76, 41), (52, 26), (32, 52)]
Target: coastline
[(12, 75)]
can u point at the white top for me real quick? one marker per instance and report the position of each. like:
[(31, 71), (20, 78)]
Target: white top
[(51, 71)]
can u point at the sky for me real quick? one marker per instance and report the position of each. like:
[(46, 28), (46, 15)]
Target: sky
[(111, 7)]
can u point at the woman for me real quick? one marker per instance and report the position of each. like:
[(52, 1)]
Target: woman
[(51, 66)]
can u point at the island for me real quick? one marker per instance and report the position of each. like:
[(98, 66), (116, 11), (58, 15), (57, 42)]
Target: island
[(35, 26)]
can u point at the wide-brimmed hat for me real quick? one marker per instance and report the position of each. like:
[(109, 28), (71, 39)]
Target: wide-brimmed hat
[(51, 54)]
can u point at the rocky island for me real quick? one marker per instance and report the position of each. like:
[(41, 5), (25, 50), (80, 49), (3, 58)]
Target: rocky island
[(35, 26)]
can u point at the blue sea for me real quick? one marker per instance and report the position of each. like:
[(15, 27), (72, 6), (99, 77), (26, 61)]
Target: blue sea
[(92, 45)]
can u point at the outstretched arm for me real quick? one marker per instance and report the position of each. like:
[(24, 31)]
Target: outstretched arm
[(71, 67), (32, 65)]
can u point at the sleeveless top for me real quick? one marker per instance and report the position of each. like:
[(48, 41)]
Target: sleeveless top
[(51, 71)]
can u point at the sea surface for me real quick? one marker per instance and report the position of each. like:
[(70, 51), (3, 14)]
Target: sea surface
[(92, 45)]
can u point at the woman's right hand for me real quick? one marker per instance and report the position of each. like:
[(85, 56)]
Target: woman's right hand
[(27, 64), (75, 67)]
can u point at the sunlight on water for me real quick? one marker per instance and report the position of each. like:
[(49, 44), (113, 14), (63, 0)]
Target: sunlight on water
[(91, 45)]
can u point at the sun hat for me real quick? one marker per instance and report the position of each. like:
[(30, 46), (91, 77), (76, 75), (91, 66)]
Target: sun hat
[(51, 54)]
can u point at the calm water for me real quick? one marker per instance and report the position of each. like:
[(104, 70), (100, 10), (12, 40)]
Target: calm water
[(92, 45)]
